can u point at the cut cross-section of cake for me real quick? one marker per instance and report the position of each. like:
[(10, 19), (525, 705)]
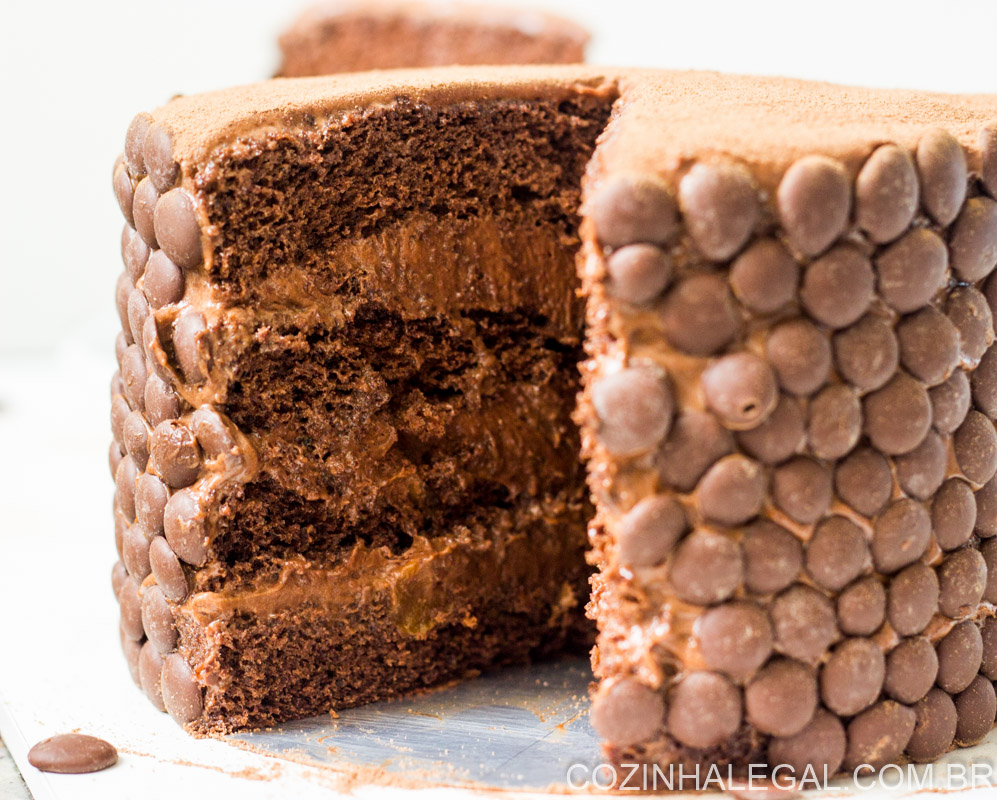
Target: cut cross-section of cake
[(348, 368), (344, 452)]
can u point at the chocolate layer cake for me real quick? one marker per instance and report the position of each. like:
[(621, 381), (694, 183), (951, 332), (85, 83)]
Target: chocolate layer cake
[(344, 452), (355, 35)]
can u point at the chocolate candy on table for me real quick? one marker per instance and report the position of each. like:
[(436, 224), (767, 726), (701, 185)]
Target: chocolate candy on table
[(960, 653), (935, 728), (635, 408), (627, 712), (72, 753), (720, 208), (911, 669), (704, 709), (781, 698), (650, 531)]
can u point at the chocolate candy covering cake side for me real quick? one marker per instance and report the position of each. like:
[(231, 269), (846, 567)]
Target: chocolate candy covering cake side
[(788, 416)]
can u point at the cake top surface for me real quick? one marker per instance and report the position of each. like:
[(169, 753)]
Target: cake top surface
[(664, 118), (529, 22)]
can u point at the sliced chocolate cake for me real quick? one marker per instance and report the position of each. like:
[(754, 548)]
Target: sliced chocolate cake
[(345, 459), (355, 35)]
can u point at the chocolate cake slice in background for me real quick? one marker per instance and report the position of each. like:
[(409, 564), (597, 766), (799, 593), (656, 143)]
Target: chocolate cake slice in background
[(355, 35), (788, 415), (344, 454)]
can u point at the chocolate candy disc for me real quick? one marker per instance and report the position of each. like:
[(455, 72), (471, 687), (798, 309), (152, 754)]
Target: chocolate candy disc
[(732, 490), (720, 207), (935, 729), (704, 709), (970, 313), (974, 240), (929, 345), (164, 281), (178, 229), (804, 623), (627, 712), (650, 530), (764, 277), (638, 273), (960, 654), (867, 353), (184, 525), (181, 692), (898, 416), (72, 753), (740, 389), (802, 489), (975, 445), (167, 570), (886, 193), (814, 201), (950, 402), (941, 165), (157, 619), (698, 316), (921, 471), (819, 746), (800, 355), (628, 209), (953, 514), (175, 453), (695, 442), (962, 579), (976, 707), (852, 677), (838, 287), (912, 599), (735, 638), (135, 143), (900, 535), (158, 156), (773, 557), (150, 670), (837, 553), (706, 568), (781, 698), (779, 436), (912, 270), (911, 669), (878, 736), (635, 409), (864, 481), (862, 607), (834, 422)]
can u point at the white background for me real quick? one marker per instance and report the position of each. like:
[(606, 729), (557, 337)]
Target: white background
[(74, 73)]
